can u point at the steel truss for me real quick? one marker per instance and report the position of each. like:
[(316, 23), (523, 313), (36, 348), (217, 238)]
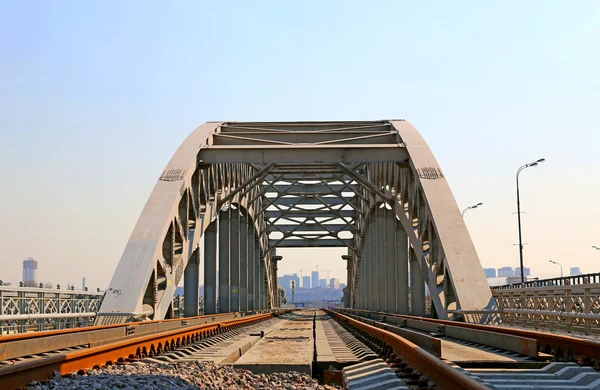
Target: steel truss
[(372, 187)]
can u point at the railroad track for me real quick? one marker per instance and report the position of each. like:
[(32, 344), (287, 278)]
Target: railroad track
[(37, 356), (455, 355)]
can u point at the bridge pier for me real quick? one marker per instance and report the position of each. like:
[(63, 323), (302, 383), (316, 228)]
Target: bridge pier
[(210, 269), (417, 286), (191, 285), (224, 302)]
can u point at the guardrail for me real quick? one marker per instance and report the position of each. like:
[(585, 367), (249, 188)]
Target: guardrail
[(564, 281), (26, 309)]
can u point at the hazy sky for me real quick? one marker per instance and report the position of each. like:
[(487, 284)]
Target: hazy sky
[(96, 97)]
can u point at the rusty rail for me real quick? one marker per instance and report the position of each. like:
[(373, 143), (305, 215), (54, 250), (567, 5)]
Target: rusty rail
[(19, 374), (444, 376), (548, 342)]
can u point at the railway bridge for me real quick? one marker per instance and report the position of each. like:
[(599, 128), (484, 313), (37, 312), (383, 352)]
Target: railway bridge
[(245, 189), (236, 192)]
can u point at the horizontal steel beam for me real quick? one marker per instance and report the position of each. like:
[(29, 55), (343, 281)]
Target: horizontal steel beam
[(312, 214), (346, 137), (303, 154), (312, 188), (297, 200), (312, 227), (316, 243)]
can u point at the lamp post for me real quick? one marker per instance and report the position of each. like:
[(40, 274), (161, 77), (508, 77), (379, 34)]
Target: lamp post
[(470, 207), (555, 262), (529, 165)]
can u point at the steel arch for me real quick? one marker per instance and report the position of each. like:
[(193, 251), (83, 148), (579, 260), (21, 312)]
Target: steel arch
[(302, 184)]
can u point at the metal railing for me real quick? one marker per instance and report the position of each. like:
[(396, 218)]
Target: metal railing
[(27, 309), (564, 281)]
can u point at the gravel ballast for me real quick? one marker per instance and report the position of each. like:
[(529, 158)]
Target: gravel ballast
[(181, 375)]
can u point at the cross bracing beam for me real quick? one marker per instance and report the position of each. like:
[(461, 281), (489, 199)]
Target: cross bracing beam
[(301, 184)]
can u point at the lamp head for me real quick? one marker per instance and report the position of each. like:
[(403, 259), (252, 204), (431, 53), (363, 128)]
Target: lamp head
[(541, 160)]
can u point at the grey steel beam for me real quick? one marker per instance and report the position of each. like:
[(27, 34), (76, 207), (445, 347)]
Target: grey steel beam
[(347, 137), (317, 243), (311, 213), (243, 262), (309, 189), (417, 286), (381, 259), (224, 297), (250, 266), (313, 227), (374, 279), (210, 268), (191, 285), (288, 200), (368, 258), (391, 278), (234, 250), (401, 268), (302, 154)]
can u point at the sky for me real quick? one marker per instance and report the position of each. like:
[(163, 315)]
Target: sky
[(95, 97)]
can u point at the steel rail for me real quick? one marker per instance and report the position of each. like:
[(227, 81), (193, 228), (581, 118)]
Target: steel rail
[(578, 347), (20, 374), (444, 376)]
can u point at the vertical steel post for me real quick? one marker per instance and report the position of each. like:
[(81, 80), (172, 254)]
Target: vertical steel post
[(381, 259), (210, 269), (417, 286), (374, 277), (234, 250), (250, 266), (402, 269), (191, 285), (367, 278), (224, 298), (243, 262), (390, 261)]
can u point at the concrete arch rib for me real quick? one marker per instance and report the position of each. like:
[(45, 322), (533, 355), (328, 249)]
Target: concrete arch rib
[(453, 250)]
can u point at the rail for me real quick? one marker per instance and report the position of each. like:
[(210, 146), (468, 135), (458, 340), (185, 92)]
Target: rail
[(444, 376), (561, 346), (167, 335)]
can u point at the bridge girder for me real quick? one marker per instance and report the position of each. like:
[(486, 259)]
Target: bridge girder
[(300, 184)]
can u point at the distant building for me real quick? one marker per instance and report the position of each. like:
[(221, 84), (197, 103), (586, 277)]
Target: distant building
[(285, 281), (489, 272), (342, 285), (334, 283), (575, 271), (30, 272), (505, 271), (322, 282), (526, 271), (83, 283), (314, 281), (306, 282)]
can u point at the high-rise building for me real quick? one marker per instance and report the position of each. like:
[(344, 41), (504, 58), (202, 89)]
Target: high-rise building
[(334, 283), (306, 281), (489, 272), (30, 272), (285, 281), (505, 271), (83, 283), (526, 271), (575, 271), (314, 280), (322, 282)]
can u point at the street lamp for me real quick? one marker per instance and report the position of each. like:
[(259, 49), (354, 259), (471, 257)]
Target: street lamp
[(554, 262), (470, 207), (529, 165), (595, 247)]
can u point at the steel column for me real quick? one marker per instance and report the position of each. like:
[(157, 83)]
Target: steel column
[(224, 298), (390, 261), (210, 269), (402, 269), (244, 262), (381, 259), (257, 275), (234, 250), (250, 266), (191, 285), (374, 277), (417, 286), (367, 279)]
